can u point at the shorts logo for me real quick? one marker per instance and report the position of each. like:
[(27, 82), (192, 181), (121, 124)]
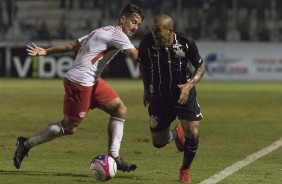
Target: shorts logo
[(199, 115), (82, 114), (153, 122)]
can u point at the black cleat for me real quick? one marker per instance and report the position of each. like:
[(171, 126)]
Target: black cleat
[(21, 152), (123, 166)]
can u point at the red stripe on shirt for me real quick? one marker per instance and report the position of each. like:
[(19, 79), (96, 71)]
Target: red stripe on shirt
[(102, 54)]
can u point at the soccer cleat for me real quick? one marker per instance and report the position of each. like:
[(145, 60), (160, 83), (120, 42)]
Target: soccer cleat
[(180, 140), (123, 166), (21, 152), (185, 176)]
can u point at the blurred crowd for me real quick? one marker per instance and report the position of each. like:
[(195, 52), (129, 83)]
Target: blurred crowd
[(220, 20)]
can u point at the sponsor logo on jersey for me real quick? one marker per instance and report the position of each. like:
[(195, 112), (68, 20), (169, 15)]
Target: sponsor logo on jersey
[(177, 45)]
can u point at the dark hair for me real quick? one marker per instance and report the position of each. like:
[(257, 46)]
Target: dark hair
[(130, 9)]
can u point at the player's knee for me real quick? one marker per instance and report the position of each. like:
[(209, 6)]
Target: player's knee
[(70, 126), (192, 131), (121, 110), (69, 131), (156, 145)]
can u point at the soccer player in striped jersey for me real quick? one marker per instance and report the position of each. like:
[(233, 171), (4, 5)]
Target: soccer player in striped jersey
[(169, 88), (84, 89)]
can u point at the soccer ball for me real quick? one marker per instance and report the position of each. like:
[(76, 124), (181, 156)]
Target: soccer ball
[(103, 167)]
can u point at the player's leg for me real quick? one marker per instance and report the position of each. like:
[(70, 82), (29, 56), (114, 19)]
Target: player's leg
[(52, 131), (76, 106), (117, 112), (105, 98), (190, 116), (161, 115), (163, 137), (191, 131)]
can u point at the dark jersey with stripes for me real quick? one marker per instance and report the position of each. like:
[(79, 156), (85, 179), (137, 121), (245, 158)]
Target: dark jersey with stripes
[(166, 67)]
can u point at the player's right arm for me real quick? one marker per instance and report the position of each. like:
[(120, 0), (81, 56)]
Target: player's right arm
[(34, 50)]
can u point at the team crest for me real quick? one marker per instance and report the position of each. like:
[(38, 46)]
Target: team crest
[(82, 114), (176, 46), (153, 122), (179, 53)]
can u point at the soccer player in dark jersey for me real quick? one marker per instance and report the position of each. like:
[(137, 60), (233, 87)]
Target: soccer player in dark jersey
[(169, 88)]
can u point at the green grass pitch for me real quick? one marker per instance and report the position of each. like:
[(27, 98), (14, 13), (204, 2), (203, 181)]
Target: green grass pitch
[(240, 118)]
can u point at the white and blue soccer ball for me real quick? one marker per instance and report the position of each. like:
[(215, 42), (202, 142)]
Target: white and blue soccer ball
[(103, 167)]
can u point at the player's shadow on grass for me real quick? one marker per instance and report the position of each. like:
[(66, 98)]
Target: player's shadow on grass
[(83, 177), (36, 173)]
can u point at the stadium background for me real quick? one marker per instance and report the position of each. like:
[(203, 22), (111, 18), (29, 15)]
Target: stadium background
[(238, 39), (241, 118)]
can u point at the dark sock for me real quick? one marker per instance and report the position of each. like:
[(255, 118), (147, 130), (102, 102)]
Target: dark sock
[(190, 149)]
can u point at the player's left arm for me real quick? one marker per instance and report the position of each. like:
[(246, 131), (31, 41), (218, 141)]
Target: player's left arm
[(132, 53), (185, 88), (198, 74)]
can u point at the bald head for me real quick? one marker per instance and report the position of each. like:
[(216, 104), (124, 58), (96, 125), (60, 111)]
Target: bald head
[(162, 30), (163, 20)]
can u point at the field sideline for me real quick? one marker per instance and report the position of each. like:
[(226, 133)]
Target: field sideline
[(240, 118)]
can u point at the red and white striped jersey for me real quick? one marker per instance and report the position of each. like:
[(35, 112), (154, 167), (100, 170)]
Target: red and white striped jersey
[(96, 51)]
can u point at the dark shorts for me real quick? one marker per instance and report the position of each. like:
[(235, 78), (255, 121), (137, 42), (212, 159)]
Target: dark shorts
[(163, 111)]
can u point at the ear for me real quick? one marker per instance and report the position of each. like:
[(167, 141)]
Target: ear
[(122, 19)]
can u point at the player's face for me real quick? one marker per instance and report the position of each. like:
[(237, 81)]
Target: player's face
[(161, 35), (131, 24)]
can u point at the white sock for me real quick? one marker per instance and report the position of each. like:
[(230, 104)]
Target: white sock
[(115, 134), (49, 133), (171, 137)]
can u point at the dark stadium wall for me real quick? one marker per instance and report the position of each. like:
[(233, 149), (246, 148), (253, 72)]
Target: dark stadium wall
[(223, 61), (2, 62), (20, 65)]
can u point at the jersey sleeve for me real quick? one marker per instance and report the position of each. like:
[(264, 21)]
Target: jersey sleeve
[(193, 54), (121, 41)]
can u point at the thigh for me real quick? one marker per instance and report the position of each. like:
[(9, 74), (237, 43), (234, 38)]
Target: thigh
[(76, 100), (161, 114), (115, 108), (190, 115), (102, 94)]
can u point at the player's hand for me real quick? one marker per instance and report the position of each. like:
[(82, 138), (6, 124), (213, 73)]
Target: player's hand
[(146, 99), (33, 50), (184, 93)]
